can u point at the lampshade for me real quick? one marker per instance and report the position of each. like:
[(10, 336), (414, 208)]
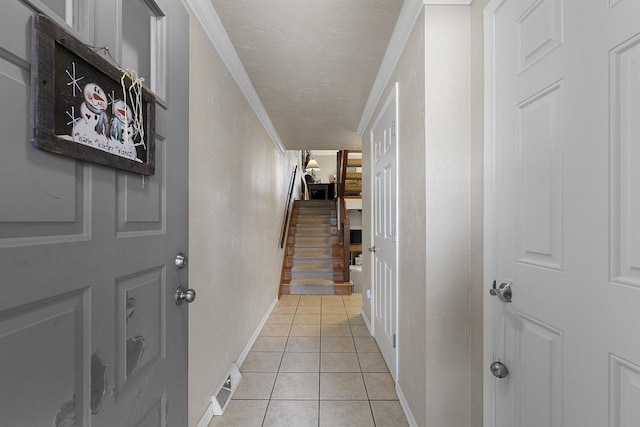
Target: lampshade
[(313, 165)]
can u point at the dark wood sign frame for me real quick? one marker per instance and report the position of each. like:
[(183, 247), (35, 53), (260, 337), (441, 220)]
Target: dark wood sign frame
[(60, 66)]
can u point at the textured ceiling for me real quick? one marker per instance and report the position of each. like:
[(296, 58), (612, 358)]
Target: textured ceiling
[(312, 62)]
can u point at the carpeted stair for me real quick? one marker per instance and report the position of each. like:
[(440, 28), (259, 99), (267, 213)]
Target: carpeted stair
[(313, 260)]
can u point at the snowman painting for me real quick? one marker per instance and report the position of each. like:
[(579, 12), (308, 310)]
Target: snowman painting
[(122, 128), (92, 128), (98, 119), (96, 101)]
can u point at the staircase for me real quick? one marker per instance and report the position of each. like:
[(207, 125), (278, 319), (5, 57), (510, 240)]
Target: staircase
[(353, 175), (313, 261)]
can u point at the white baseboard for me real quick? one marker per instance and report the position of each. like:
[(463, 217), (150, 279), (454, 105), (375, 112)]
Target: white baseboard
[(253, 338), (405, 407), (206, 417), (208, 413), (366, 321)]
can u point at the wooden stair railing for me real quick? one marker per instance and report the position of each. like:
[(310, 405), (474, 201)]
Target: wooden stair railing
[(345, 228), (285, 221), (346, 240)]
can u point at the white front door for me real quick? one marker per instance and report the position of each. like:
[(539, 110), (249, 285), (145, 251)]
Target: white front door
[(384, 261), (89, 331), (562, 195)]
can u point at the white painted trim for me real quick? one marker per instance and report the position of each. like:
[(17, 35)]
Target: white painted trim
[(489, 206), (447, 2), (367, 322), (209, 412), (208, 18), (405, 407), (206, 417), (253, 338), (407, 19)]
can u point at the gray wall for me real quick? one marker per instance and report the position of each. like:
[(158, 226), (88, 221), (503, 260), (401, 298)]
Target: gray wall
[(238, 184)]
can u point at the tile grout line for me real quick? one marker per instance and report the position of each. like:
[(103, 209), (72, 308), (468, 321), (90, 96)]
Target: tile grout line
[(264, 418), (332, 311), (320, 365)]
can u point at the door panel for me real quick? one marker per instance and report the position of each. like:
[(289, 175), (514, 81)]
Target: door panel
[(539, 364), (539, 157), (567, 200), (383, 139), (89, 329), (625, 206), (140, 202), (52, 364)]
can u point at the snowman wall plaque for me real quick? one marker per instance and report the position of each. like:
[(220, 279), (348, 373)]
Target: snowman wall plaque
[(85, 107)]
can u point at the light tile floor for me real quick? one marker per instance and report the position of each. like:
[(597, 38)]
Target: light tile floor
[(314, 364)]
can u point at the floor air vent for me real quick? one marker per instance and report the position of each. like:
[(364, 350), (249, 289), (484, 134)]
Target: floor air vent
[(223, 395)]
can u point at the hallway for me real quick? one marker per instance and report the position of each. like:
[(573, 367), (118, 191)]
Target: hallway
[(314, 364)]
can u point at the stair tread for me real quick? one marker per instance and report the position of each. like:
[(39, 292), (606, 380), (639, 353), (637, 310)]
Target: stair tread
[(311, 252), (312, 282), (317, 268), (312, 257), (310, 229), (313, 233), (311, 243)]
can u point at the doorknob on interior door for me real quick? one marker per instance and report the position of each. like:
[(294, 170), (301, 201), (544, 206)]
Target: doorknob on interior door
[(499, 369), (373, 249), (503, 292), (182, 295)]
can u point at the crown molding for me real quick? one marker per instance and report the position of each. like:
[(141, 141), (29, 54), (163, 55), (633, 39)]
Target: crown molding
[(407, 18), (205, 13)]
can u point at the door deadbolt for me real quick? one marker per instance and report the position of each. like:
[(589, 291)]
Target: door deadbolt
[(181, 261)]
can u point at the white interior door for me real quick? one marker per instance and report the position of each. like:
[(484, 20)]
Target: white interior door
[(89, 331), (563, 212), (384, 260)]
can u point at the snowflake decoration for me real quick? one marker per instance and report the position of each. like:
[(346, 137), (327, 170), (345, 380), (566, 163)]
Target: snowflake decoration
[(74, 80), (72, 116), (112, 98)]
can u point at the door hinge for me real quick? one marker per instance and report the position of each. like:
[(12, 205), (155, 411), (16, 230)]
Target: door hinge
[(394, 340), (393, 128)]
